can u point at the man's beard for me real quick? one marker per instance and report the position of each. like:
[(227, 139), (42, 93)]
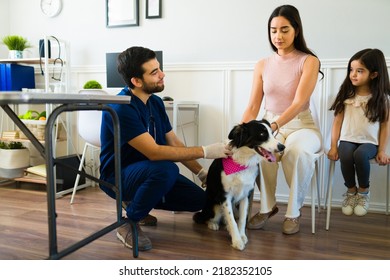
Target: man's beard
[(150, 89)]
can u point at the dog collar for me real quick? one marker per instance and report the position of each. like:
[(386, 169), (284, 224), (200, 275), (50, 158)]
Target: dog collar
[(231, 167)]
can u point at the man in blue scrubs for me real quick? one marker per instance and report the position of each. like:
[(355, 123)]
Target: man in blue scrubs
[(150, 148)]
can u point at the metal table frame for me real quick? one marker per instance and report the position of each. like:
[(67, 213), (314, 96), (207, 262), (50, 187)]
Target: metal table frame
[(70, 102)]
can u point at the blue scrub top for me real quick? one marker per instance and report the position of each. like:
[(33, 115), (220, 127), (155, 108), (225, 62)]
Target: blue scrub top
[(135, 119)]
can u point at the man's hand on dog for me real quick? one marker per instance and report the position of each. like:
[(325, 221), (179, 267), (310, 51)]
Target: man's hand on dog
[(217, 150), (202, 175)]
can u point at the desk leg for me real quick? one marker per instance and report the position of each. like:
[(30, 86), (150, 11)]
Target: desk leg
[(51, 180)]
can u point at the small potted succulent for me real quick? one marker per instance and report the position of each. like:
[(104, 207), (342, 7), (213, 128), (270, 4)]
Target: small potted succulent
[(16, 45), (14, 159)]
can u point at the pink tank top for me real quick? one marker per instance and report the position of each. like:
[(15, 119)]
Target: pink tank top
[(280, 80)]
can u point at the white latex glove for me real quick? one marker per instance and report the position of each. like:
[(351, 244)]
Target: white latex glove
[(202, 175), (216, 150)]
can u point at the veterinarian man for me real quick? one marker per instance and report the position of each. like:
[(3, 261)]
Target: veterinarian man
[(150, 148)]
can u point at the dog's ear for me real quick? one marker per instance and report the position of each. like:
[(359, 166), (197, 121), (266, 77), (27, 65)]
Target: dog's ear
[(236, 135), (233, 133)]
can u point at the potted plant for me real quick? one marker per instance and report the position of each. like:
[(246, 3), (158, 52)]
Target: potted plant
[(92, 84), (92, 87), (16, 45), (14, 159)]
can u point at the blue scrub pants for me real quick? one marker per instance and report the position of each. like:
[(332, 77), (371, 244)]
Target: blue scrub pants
[(151, 185)]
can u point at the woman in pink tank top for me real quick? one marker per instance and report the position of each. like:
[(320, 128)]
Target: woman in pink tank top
[(283, 83)]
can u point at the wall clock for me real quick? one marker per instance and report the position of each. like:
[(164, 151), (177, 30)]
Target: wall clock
[(51, 8)]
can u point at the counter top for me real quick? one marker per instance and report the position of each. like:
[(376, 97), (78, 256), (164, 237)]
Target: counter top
[(19, 97)]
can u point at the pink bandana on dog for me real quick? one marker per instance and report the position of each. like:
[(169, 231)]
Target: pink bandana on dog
[(230, 166)]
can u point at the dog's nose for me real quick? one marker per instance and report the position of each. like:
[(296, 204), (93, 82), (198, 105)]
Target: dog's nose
[(281, 147)]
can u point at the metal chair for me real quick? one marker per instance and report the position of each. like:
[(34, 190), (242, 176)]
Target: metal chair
[(315, 186), (88, 125), (328, 200)]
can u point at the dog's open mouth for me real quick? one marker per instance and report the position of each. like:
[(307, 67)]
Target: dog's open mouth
[(266, 154)]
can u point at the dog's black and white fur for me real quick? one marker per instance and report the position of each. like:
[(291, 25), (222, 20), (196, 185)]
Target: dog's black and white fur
[(249, 141)]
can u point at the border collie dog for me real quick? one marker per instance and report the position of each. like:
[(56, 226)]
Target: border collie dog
[(231, 180)]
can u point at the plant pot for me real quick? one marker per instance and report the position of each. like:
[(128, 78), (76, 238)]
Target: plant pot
[(13, 54), (13, 162), (94, 91)]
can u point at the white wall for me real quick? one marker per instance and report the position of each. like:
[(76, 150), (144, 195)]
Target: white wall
[(4, 24), (210, 47), (203, 30)]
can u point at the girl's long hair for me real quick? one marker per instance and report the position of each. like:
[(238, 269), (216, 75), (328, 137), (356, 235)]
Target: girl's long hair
[(378, 105)]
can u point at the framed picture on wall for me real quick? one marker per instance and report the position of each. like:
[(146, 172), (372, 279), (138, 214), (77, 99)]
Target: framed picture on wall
[(153, 8), (120, 13)]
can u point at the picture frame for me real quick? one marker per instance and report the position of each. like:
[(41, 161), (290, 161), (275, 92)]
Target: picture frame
[(122, 13), (153, 9)]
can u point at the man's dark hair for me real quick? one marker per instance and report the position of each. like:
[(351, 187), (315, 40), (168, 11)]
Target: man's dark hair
[(130, 63)]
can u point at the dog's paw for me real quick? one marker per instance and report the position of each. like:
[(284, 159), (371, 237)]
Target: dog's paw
[(213, 226), (238, 244), (244, 239)]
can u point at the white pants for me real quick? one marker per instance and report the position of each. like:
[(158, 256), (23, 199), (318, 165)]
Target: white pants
[(303, 140)]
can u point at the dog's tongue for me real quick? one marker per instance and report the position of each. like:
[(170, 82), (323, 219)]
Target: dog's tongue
[(267, 155)]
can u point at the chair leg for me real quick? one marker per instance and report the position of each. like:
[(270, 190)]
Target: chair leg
[(329, 192), (315, 186), (313, 205), (93, 167), (387, 189), (76, 183), (318, 188), (326, 195)]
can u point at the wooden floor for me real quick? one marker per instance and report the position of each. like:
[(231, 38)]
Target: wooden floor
[(24, 232)]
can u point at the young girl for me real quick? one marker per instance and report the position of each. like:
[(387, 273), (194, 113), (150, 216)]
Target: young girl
[(361, 124)]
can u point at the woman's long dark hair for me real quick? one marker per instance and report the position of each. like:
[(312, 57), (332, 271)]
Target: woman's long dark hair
[(292, 15), (378, 105)]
